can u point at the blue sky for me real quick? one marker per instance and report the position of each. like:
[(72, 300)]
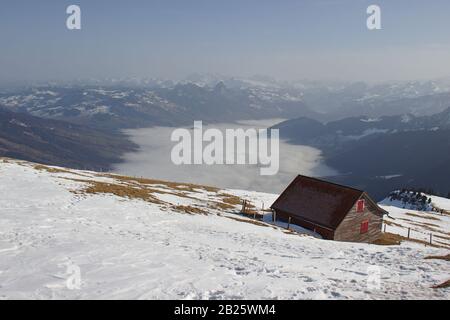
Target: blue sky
[(313, 39)]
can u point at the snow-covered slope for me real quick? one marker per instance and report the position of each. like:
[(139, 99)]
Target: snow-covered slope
[(134, 238), (421, 223)]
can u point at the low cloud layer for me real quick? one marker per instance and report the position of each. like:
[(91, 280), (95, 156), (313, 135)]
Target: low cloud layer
[(153, 161)]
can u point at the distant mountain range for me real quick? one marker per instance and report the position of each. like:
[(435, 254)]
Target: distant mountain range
[(334, 134), (117, 108), (59, 143), (381, 154), (133, 103)]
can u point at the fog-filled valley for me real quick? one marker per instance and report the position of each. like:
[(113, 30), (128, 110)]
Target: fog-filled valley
[(153, 160)]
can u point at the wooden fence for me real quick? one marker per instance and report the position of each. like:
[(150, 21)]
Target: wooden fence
[(426, 237)]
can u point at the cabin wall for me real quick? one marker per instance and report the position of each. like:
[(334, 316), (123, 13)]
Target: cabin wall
[(350, 228), (324, 232)]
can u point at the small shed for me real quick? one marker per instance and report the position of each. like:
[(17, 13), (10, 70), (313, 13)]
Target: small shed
[(334, 211)]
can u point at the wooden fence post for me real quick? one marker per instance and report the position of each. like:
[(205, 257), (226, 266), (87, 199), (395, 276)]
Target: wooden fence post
[(431, 238), (409, 231), (244, 206)]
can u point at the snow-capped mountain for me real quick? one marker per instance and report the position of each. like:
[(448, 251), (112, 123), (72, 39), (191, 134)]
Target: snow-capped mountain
[(340, 100), (131, 103), (116, 107), (80, 234), (335, 133)]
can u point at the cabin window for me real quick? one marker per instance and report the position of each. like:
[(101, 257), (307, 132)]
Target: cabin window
[(360, 206), (364, 227)]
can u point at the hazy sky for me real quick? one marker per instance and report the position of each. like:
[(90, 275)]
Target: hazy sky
[(288, 39)]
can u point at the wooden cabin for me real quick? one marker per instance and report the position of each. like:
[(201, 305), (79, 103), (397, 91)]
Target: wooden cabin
[(334, 211)]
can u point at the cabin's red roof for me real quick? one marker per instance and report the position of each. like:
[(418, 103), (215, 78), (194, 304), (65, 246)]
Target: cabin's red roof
[(317, 201)]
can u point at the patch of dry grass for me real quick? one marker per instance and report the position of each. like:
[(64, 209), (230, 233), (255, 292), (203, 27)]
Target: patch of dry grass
[(423, 217), (41, 167), (424, 225), (172, 185), (189, 210), (390, 223), (231, 200), (133, 189), (445, 284), (431, 226), (441, 236), (124, 191), (446, 257), (255, 222), (227, 202), (141, 189), (389, 239), (221, 206)]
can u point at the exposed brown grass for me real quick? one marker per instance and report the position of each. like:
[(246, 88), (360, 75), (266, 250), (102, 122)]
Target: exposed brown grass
[(255, 222), (446, 257), (426, 224), (231, 200), (445, 284), (441, 236), (41, 167), (426, 243), (189, 210), (390, 223), (221, 206), (228, 202), (133, 189), (124, 191), (423, 217), (389, 239), (172, 185)]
